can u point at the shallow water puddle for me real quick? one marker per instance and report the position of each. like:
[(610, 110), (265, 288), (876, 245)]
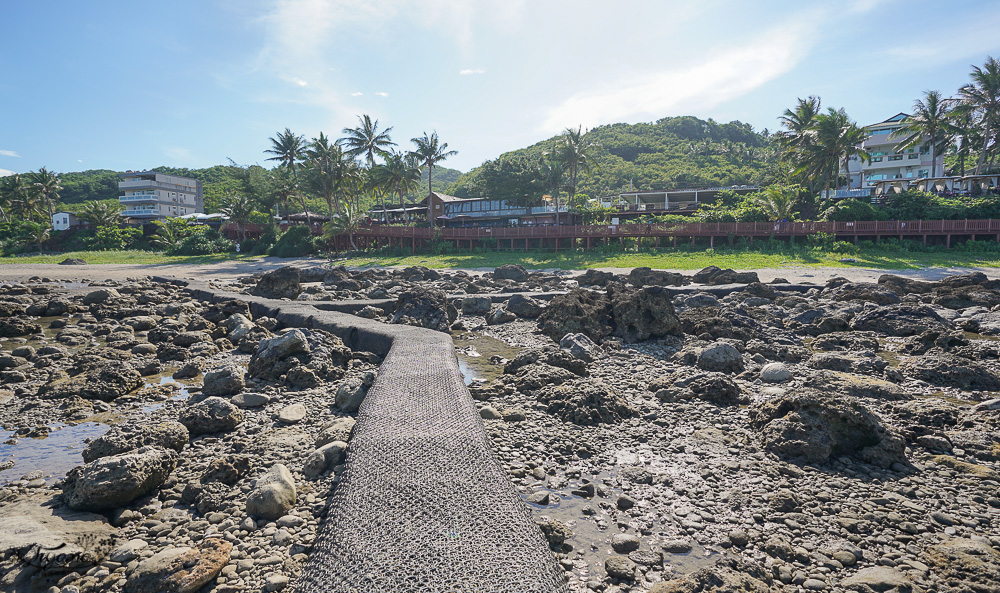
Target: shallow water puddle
[(475, 352), (59, 450)]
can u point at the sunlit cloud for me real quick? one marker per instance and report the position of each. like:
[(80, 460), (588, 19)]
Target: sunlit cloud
[(298, 81), (723, 76), (470, 71), (357, 94), (382, 94), (9, 153), (6, 172)]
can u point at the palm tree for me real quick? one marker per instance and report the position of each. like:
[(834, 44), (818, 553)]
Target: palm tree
[(366, 140), (21, 197), (965, 137), (982, 95), (551, 175), (400, 174), (796, 138), (36, 233), (576, 153), (100, 214), (287, 148), (284, 187), (930, 123), (239, 209), (46, 185), (778, 202), (429, 152), (323, 163), (343, 222), (834, 139)]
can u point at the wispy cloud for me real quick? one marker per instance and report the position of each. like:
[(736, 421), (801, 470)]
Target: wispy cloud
[(357, 94), (298, 81), (723, 76), (471, 71), (9, 153), (5, 172), (382, 94)]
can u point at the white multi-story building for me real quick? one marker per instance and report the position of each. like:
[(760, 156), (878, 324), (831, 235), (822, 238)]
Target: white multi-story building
[(888, 161), (152, 196)]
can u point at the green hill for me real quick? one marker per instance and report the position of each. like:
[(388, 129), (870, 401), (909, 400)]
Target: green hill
[(670, 153)]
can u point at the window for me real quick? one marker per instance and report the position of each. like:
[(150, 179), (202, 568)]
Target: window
[(896, 157), (877, 159), (913, 156)]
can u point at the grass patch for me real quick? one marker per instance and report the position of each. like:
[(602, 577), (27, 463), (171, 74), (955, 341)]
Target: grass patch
[(886, 259), (125, 257)]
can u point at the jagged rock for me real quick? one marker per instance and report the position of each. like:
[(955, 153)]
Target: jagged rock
[(237, 326), (947, 371), (352, 390), (423, 272), (585, 402), (181, 569), (878, 579), (862, 291), (515, 272), (713, 275), (720, 357), (211, 415), (578, 311), (642, 314), (728, 575), (324, 458), (101, 295), (302, 358), (104, 381), (227, 470), (224, 380), (122, 438), (847, 341), (72, 261), (580, 346), (273, 495), (818, 427), (9, 309), (524, 307), (15, 327), (643, 276), (970, 565), (338, 430), (500, 315), (595, 278), (549, 356), (115, 481), (425, 308), (283, 283), (716, 388), (900, 320), (476, 305)]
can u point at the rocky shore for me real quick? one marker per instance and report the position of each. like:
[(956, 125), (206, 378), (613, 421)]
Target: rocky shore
[(670, 433)]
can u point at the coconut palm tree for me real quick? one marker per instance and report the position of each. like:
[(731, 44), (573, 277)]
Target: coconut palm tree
[(400, 173), (551, 175), (834, 139), (931, 122), (36, 233), (284, 187), (100, 214), (778, 202), (982, 95), (239, 209), (430, 151), (46, 186), (344, 222), (366, 140), (21, 197), (796, 138), (324, 159), (288, 149), (575, 152)]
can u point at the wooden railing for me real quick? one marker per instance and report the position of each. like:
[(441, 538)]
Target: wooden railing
[(697, 229)]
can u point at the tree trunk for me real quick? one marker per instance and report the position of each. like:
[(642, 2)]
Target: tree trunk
[(986, 141), (430, 202)]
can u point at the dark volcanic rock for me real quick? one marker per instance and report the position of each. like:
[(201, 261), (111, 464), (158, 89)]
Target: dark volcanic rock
[(515, 272), (556, 357), (524, 307), (585, 402), (211, 415), (714, 275), (644, 313), (304, 358), (579, 311), (283, 283), (104, 381), (14, 327), (113, 482), (595, 278), (640, 277), (900, 320), (123, 438), (862, 291), (946, 371), (425, 308), (819, 427)]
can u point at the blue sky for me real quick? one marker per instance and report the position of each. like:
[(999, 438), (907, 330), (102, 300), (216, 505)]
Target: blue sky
[(133, 85)]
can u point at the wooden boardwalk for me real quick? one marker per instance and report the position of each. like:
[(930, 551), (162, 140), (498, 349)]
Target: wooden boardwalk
[(561, 237)]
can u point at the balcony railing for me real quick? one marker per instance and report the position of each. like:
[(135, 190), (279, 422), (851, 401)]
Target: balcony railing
[(146, 183)]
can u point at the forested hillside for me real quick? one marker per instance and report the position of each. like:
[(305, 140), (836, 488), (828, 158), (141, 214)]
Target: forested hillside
[(672, 152)]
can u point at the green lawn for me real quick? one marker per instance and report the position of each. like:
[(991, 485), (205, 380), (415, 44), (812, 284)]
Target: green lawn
[(687, 260), (124, 257)]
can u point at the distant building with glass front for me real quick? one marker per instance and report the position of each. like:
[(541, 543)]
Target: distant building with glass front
[(148, 195)]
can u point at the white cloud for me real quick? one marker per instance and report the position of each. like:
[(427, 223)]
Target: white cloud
[(470, 71), (723, 76), (9, 153), (298, 81), (5, 172), (357, 94), (382, 94)]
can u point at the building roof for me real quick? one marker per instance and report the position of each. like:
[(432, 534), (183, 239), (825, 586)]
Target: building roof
[(442, 197), (899, 117)]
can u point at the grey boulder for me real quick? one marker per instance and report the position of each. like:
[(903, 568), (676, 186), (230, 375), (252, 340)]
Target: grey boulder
[(115, 481)]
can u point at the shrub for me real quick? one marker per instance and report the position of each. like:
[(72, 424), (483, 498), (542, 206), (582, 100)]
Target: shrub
[(202, 243), (113, 238), (265, 242), (850, 210), (297, 241)]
